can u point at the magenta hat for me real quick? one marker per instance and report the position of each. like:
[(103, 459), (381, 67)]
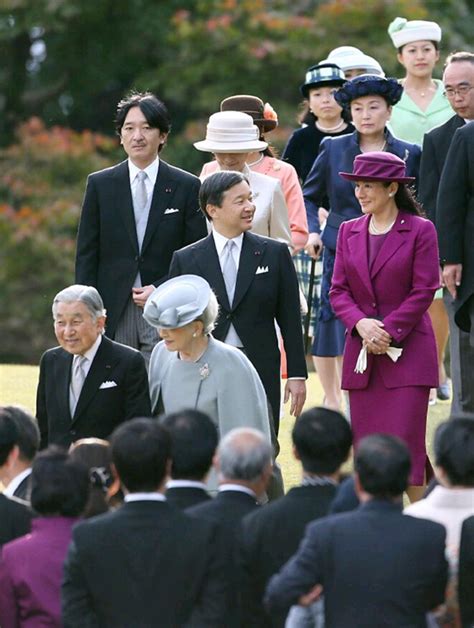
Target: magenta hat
[(378, 166)]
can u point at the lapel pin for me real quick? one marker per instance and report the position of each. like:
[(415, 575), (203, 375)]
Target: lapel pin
[(257, 253), (168, 190)]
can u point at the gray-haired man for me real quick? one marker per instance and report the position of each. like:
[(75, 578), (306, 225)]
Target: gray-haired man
[(89, 384)]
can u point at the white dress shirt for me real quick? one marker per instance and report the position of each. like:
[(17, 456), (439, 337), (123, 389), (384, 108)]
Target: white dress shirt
[(15, 483), (144, 497)]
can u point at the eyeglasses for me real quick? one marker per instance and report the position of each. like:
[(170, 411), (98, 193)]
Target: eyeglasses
[(462, 90)]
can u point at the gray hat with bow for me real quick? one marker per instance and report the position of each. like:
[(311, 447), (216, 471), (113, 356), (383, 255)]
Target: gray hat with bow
[(177, 302)]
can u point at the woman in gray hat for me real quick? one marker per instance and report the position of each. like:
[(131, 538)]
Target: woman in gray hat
[(191, 369)]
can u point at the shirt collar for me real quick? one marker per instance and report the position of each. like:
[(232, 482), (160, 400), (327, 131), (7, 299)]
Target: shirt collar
[(220, 241), (236, 487), (144, 497), (151, 170), (91, 352), (15, 483), (185, 484)]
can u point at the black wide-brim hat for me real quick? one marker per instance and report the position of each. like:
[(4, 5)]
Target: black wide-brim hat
[(369, 85), (322, 75)]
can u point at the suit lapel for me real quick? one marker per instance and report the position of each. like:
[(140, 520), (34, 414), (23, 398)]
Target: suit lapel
[(253, 250), (123, 201), (62, 377), (163, 192), (357, 244), (394, 240), (98, 373), (205, 255)]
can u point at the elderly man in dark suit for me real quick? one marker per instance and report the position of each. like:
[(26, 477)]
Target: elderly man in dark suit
[(147, 563), (134, 216), (255, 283), (89, 384), (271, 535), (193, 445), (18, 482), (15, 516), (377, 566), (458, 79)]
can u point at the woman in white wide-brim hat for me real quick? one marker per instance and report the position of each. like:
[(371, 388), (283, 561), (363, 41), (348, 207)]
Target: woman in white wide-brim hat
[(353, 62), (191, 369), (231, 137)]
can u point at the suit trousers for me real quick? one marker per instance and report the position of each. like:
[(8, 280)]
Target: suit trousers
[(462, 360), (134, 331)]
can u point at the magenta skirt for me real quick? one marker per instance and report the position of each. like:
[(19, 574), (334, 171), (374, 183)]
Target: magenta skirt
[(398, 411)]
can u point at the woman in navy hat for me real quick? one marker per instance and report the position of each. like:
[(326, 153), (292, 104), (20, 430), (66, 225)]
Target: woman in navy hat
[(385, 276), (191, 369), (370, 99)]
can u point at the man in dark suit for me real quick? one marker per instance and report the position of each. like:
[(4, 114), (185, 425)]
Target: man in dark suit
[(134, 216), (193, 445), (271, 535), (457, 78), (244, 465), (89, 384), (19, 476), (466, 573), (377, 566), (255, 283), (147, 563), (15, 516)]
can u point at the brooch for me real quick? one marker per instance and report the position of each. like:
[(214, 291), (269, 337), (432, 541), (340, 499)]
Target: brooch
[(204, 371)]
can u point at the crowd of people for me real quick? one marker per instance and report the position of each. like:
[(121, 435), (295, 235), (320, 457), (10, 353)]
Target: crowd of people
[(146, 491)]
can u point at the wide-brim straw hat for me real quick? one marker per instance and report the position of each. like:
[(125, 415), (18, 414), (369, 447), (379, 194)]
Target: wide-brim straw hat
[(231, 132), (263, 115), (177, 302), (378, 166), (352, 58)]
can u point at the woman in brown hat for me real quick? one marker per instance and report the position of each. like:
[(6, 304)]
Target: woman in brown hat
[(385, 276), (264, 162)]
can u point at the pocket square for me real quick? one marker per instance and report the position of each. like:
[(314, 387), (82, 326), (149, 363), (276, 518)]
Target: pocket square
[(171, 210), (110, 384), (261, 269)]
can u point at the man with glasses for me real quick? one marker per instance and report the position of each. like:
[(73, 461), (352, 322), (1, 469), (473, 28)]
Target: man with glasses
[(444, 209)]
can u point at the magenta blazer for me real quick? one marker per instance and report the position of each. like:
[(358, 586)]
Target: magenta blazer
[(398, 290), (31, 572)]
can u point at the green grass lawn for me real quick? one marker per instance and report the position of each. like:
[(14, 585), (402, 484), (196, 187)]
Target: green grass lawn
[(18, 386)]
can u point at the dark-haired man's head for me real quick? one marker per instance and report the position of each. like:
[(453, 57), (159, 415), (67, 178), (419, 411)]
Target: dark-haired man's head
[(59, 485), (454, 452), (458, 79), (28, 432), (382, 465), (8, 442), (322, 440), (193, 444), (141, 454), (142, 123), (224, 197)]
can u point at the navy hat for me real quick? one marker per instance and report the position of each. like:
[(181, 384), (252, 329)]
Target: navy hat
[(369, 85), (322, 74)]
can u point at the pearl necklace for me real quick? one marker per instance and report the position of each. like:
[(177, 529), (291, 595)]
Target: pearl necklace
[(382, 148), (374, 231), (332, 129), (257, 161)]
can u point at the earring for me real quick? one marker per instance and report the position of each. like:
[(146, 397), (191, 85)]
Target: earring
[(194, 335), (390, 194)]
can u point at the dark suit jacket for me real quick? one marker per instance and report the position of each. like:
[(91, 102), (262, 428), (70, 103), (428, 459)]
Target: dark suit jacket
[(227, 510), (15, 518), (146, 564), (259, 299), (270, 536), (107, 248), (99, 410), (455, 217), (378, 568), (466, 573), (186, 496), (433, 157)]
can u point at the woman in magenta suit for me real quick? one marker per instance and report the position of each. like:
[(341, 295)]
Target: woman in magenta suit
[(31, 567), (385, 277)]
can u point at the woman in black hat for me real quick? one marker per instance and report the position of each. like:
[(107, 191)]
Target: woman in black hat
[(370, 99)]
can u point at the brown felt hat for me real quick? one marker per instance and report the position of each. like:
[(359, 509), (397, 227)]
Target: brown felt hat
[(264, 117)]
